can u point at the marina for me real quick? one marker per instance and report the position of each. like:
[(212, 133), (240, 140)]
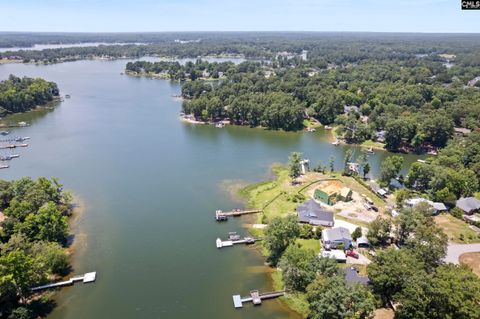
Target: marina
[(86, 278), (255, 297)]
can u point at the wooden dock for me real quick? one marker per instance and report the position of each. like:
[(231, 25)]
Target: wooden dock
[(221, 216), (256, 297), (228, 243), (88, 277)]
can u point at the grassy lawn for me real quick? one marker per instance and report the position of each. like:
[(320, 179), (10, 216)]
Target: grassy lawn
[(296, 301), (311, 244), (472, 260), (373, 144), (457, 230), (280, 190)]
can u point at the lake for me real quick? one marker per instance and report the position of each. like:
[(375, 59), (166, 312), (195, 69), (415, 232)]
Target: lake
[(148, 185), (61, 46)]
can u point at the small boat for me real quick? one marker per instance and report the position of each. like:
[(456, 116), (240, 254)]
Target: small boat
[(369, 151), (219, 125), (233, 236), (336, 143), (4, 133), (21, 139), (432, 152), (23, 145), (311, 129), (328, 127), (4, 166), (9, 157), (22, 124), (67, 96), (421, 161), (218, 243)]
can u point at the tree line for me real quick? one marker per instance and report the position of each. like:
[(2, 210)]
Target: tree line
[(33, 235), (23, 94), (176, 71)]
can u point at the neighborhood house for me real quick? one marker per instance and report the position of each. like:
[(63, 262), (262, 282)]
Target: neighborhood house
[(469, 205), (334, 237), (330, 192), (312, 213), (436, 206)]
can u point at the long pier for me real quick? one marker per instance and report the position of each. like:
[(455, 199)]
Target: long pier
[(88, 277), (228, 243), (220, 215), (14, 146), (256, 297)]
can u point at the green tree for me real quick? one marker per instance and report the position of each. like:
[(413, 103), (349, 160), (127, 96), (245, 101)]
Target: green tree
[(332, 298), (391, 272), (366, 170), (294, 165), (357, 233), (48, 224), (346, 160), (455, 293), (390, 168), (299, 267), (280, 233), (332, 164), (379, 232)]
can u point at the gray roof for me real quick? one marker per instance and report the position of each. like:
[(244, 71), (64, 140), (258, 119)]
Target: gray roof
[(352, 277), (468, 204), (311, 211), (338, 233)]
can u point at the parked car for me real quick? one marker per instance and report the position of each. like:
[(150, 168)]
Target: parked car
[(352, 253)]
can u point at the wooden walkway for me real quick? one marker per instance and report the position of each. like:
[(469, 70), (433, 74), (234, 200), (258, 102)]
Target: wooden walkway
[(228, 243), (88, 277), (220, 215), (255, 297)]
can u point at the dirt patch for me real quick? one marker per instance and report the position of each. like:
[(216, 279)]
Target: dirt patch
[(472, 260), (384, 313)]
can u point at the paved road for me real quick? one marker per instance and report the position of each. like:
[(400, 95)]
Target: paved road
[(455, 250)]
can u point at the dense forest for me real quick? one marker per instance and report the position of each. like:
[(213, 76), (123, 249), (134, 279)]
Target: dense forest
[(23, 94), (33, 233), (323, 47), (414, 103)]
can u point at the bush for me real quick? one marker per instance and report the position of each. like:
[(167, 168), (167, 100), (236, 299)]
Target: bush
[(306, 231), (456, 212)]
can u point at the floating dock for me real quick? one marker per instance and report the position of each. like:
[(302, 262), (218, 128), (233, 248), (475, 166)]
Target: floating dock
[(255, 297), (221, 216), (14, 146), (227, 243), (88, 277)]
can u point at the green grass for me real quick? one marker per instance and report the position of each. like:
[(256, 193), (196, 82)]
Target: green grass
[(260, 194), (373, 144), (457, 230), (311, 244), (295, 301)]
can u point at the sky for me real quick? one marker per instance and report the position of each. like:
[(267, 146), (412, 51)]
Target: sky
[(237, 15)]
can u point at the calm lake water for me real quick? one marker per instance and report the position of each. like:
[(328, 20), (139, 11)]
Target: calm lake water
[(149, 185), (59, 46)]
